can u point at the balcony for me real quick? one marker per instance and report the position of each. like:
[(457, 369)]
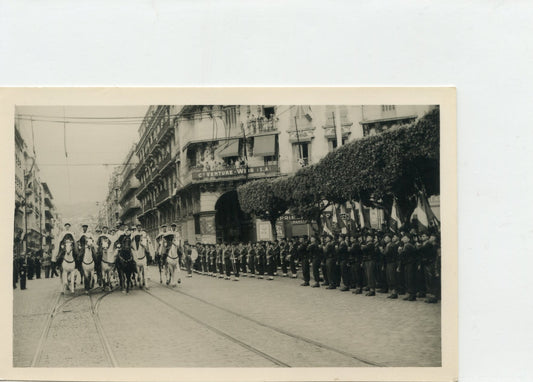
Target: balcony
[(129, 187), (128, 208), (48, 224), (261, 125), (163, 195), (48, 202), (48, 213)]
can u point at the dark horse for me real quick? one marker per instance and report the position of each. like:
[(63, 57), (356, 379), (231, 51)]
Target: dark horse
[(125, 264)]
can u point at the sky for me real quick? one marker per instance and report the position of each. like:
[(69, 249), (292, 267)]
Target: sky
[(95, 146)]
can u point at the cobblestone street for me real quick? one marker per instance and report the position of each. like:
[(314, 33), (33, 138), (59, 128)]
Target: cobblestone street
[(208, 322)]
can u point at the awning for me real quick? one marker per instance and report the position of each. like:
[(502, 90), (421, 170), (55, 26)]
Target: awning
[(265, 145), (229, 148)]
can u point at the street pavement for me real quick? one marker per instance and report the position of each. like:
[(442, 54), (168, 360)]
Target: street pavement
[(211, 322)]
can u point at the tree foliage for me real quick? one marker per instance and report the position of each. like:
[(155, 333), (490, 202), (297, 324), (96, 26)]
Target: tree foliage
[(397, 163)]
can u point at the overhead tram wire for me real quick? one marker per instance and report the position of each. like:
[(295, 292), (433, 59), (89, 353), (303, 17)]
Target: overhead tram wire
[(110, 120)]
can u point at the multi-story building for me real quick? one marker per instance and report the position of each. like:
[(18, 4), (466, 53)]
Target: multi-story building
[(35, 221), (130, 205), (192, 159), (158, 154), (50, 217), (109, 214)]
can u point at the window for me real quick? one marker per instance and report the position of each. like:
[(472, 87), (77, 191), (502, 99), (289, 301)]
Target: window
[(301, 154), (388, 107), (268, 112), (197, 229)]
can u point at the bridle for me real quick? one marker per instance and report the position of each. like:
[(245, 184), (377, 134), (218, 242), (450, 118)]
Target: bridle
[(69, 253)]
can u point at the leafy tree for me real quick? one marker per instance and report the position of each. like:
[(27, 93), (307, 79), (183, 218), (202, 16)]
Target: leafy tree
[(258, 198)]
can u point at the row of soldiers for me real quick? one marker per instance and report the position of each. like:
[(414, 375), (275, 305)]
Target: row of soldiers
[(368, 261)]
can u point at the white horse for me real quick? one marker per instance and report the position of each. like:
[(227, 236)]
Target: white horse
[(87, 264), (172, 267), (68, 268), (108, 262), (139, 255)]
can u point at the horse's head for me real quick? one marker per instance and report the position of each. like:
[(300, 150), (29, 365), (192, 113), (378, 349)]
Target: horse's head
[(89, 242), (68, 245), (104, 243)]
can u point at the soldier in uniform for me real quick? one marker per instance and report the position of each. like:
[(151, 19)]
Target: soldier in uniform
[(188, 257), (270, 260), (291, 258), (243, 250), (389, 263), (428, 257), (342, 253), (316, 255), (302, 251), (261, 260), (369, 264), (283, 254), (409, 260), (251, 259), (331, 260)]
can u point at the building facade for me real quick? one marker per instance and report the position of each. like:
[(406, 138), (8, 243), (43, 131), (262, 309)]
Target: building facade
[(35, 217), (130, 205), (192, 158)]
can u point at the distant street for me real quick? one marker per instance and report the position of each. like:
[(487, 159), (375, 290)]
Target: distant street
[(208, 322)]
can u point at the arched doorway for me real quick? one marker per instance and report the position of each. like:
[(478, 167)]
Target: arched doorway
[(232, 224)]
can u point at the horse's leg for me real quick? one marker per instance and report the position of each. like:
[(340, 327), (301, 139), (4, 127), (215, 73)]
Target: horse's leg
[(72, 286)]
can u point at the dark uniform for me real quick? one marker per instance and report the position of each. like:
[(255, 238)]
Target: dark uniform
[(244, 259), (369, 263), (260, 260), (428, 258), (390, 264), (409, 261), (316, 257), (291, 258), (330, 255), (271, 261), (356, 264), (344, 262), (251, 260), (302, 252), (236, 261)]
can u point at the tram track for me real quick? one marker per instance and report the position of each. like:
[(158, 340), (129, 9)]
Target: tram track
[(276, 329), (55, 311), (229, 337)]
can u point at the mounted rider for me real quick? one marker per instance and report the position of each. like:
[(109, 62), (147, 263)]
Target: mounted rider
[(101, 237), (67, 234), (85, 235)]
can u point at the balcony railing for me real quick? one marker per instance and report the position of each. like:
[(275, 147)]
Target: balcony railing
[(163, 194), (261, 125)]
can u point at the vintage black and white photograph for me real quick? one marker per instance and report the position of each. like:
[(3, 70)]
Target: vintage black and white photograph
[(227, 236)]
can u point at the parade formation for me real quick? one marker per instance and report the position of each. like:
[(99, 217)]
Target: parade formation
[(403, 263)]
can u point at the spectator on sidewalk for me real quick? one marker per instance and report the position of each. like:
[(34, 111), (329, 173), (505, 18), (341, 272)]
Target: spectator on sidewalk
[(47, 262)]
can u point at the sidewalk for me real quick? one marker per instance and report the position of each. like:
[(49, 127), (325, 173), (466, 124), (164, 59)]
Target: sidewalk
[(30, 311)]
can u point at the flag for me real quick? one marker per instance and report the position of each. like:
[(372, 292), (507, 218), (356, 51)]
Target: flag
[(362, 222), (327, 225), (396, 222), (423, 216)]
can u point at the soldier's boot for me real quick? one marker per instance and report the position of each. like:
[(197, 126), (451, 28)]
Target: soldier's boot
[(344, 289), (431, 300), (410, 297), (371, 293), (304, 284), (393, 296), (316, 285), (358, 291)]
